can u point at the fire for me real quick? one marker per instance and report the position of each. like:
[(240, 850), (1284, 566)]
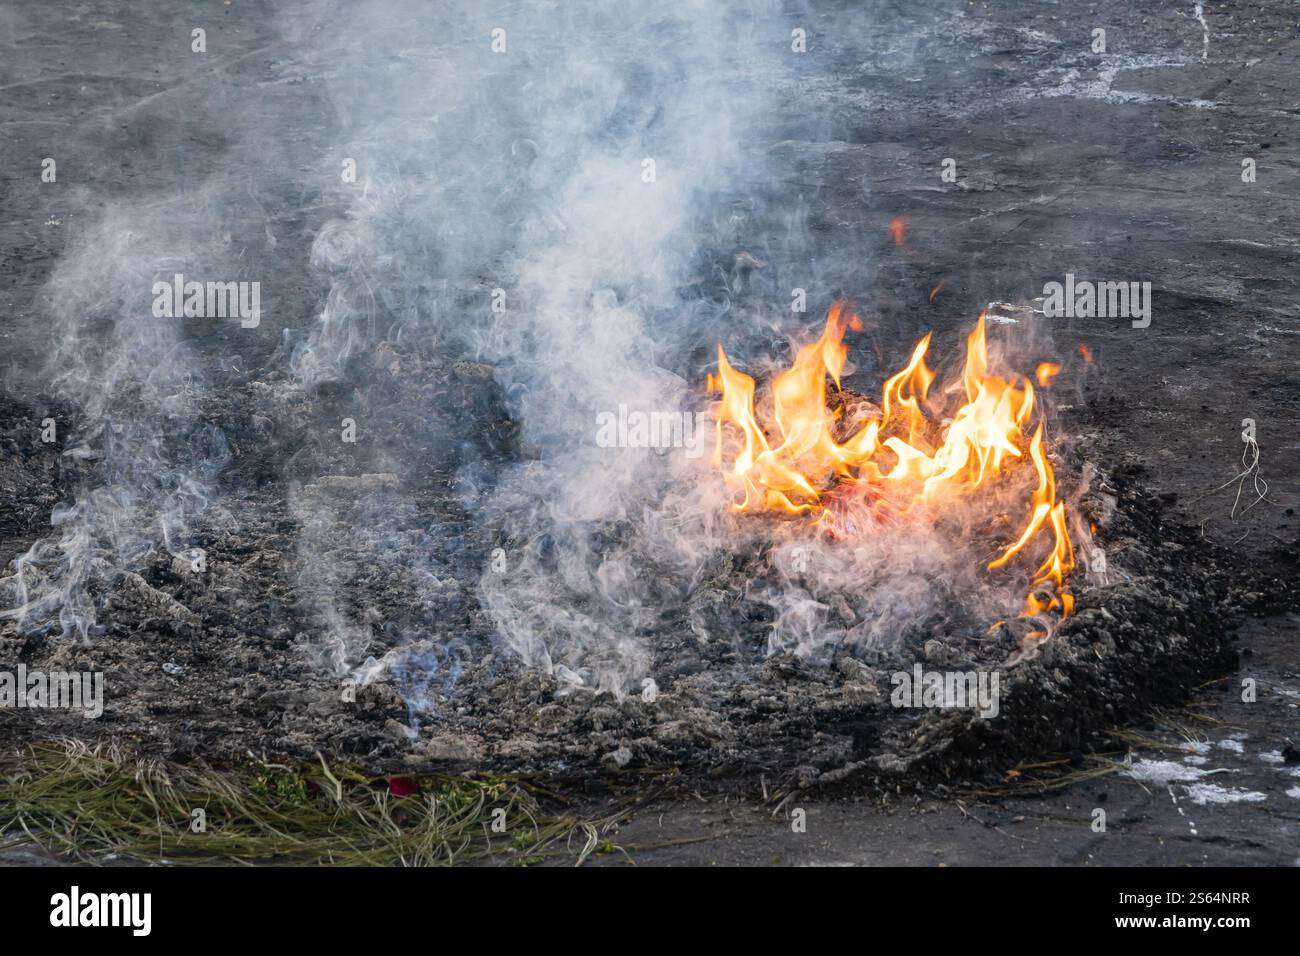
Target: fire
[(843, 467), (898, 229)]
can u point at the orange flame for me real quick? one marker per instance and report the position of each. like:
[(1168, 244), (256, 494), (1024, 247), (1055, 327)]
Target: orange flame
[(1045, 372), (897, 460), (898, 229)]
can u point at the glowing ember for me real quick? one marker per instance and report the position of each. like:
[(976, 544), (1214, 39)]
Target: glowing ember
[(852, 464), (898, 229)]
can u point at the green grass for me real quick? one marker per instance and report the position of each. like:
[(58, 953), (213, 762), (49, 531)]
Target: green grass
[(91, 801)]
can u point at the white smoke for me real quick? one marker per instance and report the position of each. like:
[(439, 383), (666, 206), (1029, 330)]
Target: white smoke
[(584, 197)]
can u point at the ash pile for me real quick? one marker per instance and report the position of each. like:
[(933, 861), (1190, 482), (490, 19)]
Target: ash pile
[(409, 618)]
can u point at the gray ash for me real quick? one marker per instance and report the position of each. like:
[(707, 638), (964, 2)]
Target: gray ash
[(387, 566)]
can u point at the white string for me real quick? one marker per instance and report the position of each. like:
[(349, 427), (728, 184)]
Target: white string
[(1250, 469)]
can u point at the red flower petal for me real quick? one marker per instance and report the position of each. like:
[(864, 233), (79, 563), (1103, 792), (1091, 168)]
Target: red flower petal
[(402, 786)]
